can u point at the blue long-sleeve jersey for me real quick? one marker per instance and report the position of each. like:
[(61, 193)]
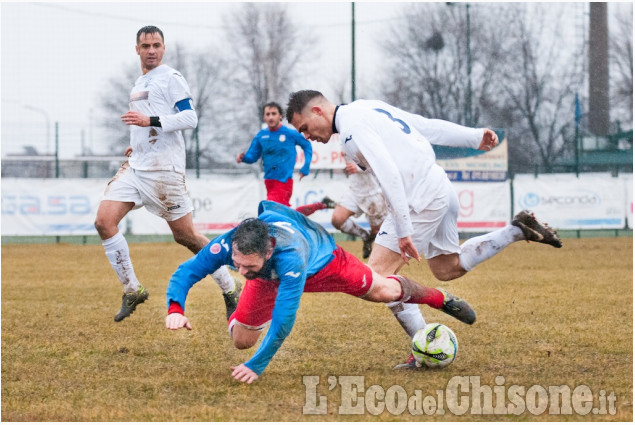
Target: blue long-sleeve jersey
[(278, 152), (302, 249)]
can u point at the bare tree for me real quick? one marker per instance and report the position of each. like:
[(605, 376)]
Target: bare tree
[(522, 80), (114, 103), (621, 57), (267, 45), (539, 86), (427, 70)]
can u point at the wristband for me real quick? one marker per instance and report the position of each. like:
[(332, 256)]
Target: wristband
[(175, 308), (155, 122)]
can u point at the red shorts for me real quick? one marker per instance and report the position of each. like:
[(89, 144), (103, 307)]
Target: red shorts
[(278, 191), (345, 273)]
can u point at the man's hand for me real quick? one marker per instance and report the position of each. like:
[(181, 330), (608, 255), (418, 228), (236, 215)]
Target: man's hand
[(489, 141), (301, 176), (243, 374), (176, 321), (128, 151), (350, 168), (239, 157), (135, 118), (407, 248)]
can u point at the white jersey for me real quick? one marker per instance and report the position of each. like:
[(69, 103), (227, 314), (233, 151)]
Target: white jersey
[(396, 146), (155, 94)]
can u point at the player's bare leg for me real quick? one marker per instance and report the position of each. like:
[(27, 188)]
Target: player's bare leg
[(244, 337), (384, 261), (185, 234), (342, 221), (446, 267), (109, 214)]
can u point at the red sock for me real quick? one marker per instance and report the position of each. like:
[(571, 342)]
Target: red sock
[(310, 208), (420, 294)]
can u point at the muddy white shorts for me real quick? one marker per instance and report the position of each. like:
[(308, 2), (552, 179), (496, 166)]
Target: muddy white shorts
[(163, 193), (435, 228), (374, 206)]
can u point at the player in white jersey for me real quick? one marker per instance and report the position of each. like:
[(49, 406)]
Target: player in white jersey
[(363, 196), (396, 146), (154, 176)]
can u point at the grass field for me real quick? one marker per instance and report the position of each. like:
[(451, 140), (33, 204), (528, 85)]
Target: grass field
[(546, 318)]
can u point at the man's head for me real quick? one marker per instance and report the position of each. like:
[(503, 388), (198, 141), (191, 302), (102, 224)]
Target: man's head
[(272, 115), (311, 114), (252, 247), (150, 47)]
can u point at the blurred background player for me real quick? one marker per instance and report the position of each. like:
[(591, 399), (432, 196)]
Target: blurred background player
[(276, 144), (283, 254), (154, 176), (396, 146), (363, 196)]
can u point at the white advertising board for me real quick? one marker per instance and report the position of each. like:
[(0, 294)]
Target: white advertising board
[(483, 206), (628, 197), (41, 207), (591, 201)]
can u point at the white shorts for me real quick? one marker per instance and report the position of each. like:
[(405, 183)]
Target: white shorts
[(374, 206), (435, 228), (163, 193)]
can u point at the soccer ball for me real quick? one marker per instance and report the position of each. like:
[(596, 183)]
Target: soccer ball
[(435, 346)]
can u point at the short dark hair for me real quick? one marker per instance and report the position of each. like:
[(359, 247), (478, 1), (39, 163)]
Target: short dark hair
[(298, 100), (149, 29), (252, 237), (272, 105)]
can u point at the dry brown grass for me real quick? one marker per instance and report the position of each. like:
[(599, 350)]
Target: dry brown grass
[(545, 317)]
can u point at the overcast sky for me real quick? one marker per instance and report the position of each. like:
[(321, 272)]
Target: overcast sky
[(57, 56)]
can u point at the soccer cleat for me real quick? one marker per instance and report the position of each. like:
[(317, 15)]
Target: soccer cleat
[(457, 308), (130, 301), (231, 298), (329, 202), (411, 363), (368, 247), (535, 231)]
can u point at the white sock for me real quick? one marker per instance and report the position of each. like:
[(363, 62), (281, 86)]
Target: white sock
[(119, 256), (224, 279), (476, 250), (408, 315), (354, 229)]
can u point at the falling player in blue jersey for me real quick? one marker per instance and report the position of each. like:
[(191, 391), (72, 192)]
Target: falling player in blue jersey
[(283, 254)]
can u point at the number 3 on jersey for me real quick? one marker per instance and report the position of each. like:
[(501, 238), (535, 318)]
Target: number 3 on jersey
[(404, 127)]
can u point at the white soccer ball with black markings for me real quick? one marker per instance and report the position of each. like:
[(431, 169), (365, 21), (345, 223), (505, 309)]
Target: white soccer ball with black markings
[(435, 346)]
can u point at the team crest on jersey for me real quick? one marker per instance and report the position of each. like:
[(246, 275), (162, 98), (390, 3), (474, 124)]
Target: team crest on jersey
[(282, 138), (215, 248)]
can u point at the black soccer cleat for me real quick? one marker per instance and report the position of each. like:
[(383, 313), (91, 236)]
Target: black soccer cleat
[(535, 231), (457, 308), (130, 301), (329, 202), (367, 247), (232, 297)]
